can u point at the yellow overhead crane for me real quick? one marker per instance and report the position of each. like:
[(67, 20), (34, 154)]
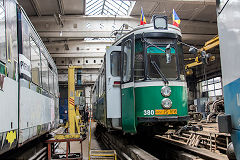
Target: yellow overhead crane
[(202, 57)]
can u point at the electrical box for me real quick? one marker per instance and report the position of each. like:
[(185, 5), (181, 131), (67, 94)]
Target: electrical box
[(224, 123)]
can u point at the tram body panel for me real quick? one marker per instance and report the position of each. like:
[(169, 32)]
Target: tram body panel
[(27, 109), (8, 114), (228, 28), (113, 82), (127, 85), (8, 77), (148, 100), (128, 108)]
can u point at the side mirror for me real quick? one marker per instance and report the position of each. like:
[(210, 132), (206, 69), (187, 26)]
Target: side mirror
[(168, 54)]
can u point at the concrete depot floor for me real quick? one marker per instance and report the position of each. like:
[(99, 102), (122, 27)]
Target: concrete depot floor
[(76, 147)]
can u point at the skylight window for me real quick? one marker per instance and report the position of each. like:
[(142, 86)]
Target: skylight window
[(109, 7)]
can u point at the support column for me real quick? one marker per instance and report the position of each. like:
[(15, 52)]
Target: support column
[(71, 97)]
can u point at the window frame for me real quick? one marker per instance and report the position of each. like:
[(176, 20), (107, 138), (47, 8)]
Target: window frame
[(160, 42), (177, 69), (214, 83), (127, 56), (144, 63), (49, 86), (4, 59), (123, 55), (55, 84), (42, 53), (118, 65), (40, 60)]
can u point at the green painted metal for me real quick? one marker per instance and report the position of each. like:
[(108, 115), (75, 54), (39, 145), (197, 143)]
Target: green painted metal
[(128, 110), (156, 50), (2, 68), (38, 90), (39, 128), (149, 98), (138, 46)]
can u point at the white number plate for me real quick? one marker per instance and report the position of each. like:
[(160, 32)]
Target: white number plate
[(148, 112)]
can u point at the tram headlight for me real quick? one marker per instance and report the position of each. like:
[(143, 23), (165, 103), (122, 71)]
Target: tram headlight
[(166, 103), (160, 22), (166, 91)]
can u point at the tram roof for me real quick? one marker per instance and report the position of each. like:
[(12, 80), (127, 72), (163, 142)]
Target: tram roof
[(148, 28)]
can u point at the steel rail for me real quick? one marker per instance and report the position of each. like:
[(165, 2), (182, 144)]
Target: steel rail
[(200, 152)]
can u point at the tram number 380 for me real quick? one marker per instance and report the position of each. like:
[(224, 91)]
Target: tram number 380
[(149, 112)]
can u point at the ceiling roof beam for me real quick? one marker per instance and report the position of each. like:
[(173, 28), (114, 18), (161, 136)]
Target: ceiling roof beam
[(106, 34), (61, 6), (78, 43), (36, 7), (79, 55), (97, 66), (192, 30), (107, 22), (197, 12)]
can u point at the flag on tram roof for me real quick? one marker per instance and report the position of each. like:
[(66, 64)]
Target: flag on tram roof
[(176, 19), (142, 19)]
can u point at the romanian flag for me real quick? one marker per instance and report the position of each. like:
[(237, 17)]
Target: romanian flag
[(143, 19), (176, 19)]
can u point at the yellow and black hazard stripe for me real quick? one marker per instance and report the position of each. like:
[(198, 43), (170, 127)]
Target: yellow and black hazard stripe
[(71, 101)]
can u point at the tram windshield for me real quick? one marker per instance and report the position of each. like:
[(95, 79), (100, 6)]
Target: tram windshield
[(158, 56), (151, 60)]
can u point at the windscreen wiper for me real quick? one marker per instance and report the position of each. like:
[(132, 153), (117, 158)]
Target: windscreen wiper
[(159, 71)]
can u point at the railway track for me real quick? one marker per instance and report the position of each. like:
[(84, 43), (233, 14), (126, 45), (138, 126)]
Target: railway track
[(158, 147), (124, 149), (178, 150)]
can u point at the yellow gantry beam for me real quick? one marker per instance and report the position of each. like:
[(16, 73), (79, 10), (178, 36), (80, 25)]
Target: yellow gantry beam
[(211, 44), (214, 42)]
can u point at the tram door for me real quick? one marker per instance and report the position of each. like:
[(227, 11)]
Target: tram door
[(113, 80), (127, 85)]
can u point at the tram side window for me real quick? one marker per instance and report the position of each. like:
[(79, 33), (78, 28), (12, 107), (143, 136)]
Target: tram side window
[(11, 38), (127, 61), (25, 38), (139, 61), (181, 58), (99, 86), (51, 81), (2, 34), (104, 84), (55, 84), (44, 72), (35, 63), (115, 63)]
